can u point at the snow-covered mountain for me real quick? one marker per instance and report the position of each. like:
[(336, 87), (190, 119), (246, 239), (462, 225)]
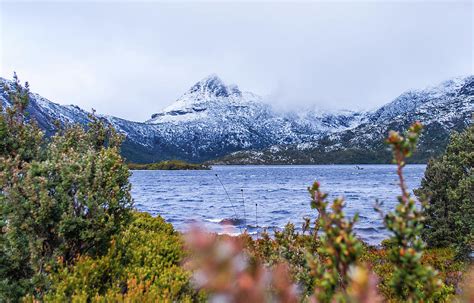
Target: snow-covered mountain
[(441, 109), (211, 100), (213, 119)]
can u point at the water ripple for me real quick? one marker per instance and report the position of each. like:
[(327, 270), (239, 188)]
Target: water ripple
[(280, 193)]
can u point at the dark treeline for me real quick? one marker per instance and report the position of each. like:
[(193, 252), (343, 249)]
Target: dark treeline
[(168, 165)]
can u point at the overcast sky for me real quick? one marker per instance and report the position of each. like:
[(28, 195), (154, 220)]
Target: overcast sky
[(132, 59)]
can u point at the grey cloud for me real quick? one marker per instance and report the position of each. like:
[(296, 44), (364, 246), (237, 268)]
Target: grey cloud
[(132, 59)]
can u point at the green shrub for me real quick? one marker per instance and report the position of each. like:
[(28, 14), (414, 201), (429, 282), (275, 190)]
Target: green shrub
[(411, 280), (288, 247), (448, 185), (59, 198), (142, 264), (339, 249)]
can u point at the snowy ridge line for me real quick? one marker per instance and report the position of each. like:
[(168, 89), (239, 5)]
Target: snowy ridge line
[(213, 119)]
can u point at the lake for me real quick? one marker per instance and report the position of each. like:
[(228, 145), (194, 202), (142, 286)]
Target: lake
[(280, 193)]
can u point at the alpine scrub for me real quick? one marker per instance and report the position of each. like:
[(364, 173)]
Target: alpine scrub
[(60, 197), (339, 248), (448, 186), (142, 264), (411, 281)]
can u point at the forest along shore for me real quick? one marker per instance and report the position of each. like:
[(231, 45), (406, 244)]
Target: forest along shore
[(168, 165)]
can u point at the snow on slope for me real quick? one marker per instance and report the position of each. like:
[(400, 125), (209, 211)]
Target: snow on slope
[(223, 114), (441, 109), (213, 119), (423, 100), (45, 112)]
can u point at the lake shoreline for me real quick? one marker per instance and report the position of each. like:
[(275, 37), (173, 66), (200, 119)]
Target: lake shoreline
[(271, 195)]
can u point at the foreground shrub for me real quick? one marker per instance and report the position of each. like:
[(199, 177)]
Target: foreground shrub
[(448, 185), (411, 281), (228, 273), (142, 265), (450, 270), (289, 247), (339, 249), (59, 198)]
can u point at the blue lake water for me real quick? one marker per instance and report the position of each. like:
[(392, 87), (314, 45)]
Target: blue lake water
[(280, 192)]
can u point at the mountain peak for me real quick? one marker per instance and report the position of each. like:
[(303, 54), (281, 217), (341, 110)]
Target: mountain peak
[(212, 78), (213, 86)]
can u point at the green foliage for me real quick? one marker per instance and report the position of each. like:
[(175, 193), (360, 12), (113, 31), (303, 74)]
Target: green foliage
[(339, 247), (142, 265), (411, 280), (448, 185), (450, 271), (268, 249), (18, 140), (19, 143), (289, 247), (168, 165), (59, 198)]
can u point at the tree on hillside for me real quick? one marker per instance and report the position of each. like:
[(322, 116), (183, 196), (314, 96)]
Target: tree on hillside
[(448, 185)]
